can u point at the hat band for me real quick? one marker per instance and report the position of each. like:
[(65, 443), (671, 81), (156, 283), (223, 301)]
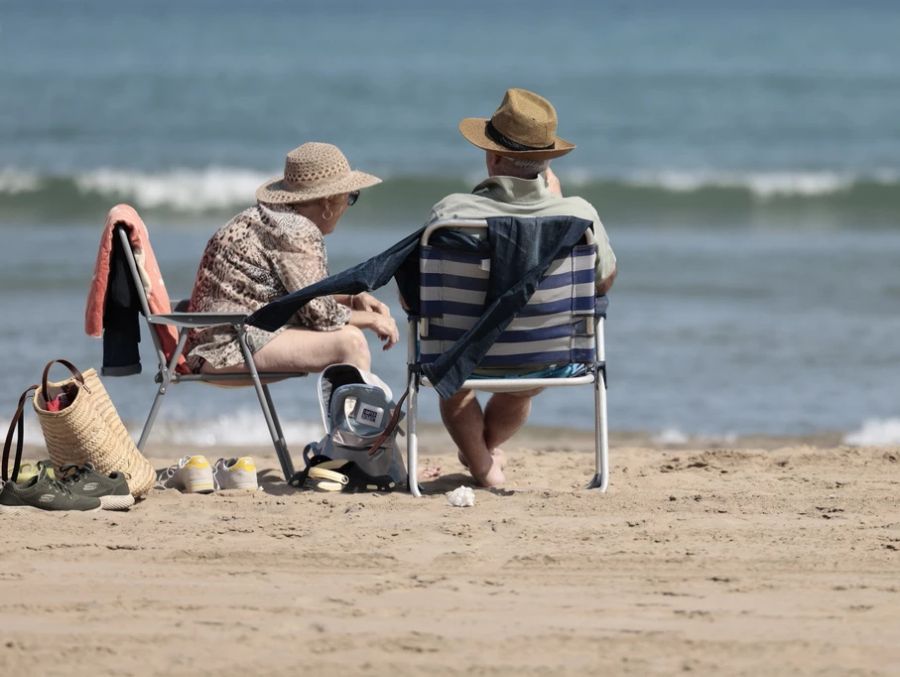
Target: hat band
[(496, 136), (314, 183)]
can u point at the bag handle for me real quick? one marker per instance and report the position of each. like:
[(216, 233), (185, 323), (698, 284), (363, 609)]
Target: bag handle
[(17, 425), (391, 426), (68, 365)]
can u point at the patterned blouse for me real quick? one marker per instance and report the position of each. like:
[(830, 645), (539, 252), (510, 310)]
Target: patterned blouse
[(258, 256)]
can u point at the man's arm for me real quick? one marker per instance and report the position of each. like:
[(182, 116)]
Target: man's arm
[(604, 285)]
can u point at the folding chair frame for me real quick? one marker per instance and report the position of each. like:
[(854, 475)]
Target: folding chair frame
[(168, 374), (595, 375)]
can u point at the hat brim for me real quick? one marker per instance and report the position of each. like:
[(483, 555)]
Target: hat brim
[(275, 191), (473, 129)]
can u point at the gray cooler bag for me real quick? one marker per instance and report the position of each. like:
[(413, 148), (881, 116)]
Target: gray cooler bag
[(359, 451)]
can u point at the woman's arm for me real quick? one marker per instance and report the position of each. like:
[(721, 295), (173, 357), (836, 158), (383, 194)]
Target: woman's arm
[(363, 301), (383, 326)]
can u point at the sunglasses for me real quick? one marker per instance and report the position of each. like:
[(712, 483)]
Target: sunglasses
[(352, 198)]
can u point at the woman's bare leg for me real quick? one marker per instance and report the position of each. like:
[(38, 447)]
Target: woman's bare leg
[(304, 350)]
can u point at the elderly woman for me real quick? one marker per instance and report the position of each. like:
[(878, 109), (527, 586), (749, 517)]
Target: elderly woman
[(278, 247)]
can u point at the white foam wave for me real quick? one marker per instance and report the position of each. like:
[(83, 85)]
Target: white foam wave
[(197, 190), (187, 190), (14, 181), (243, 428), (763, 185), (875, 432), (670, 436)]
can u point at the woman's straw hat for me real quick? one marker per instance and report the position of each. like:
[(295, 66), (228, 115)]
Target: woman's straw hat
[(524, 126), (312, 171)]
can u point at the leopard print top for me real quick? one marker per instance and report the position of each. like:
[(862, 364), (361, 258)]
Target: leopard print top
[(261, 254)]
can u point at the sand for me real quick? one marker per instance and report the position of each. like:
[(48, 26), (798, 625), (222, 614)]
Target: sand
[(781, 558)]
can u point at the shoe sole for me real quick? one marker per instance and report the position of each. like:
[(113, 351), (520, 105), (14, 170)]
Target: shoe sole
[(244, 486), (199, 488), (14, 509), (197, 480), (117, 502), (243, 480)]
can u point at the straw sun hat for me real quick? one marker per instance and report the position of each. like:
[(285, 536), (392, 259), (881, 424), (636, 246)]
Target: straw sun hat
[(312, 171), (524, 126)]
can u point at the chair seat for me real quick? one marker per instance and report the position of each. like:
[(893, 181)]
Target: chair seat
[(505, 385), (243, 378)]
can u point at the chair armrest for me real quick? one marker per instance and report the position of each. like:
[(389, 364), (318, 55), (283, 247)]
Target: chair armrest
[(198, 319)]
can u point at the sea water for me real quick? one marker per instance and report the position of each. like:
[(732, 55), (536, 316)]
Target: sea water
[(744, 161)]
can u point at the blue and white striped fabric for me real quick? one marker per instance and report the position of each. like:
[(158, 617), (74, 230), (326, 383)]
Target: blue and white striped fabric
[(554, 328)]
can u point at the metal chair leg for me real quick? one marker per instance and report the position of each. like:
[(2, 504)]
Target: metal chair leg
[(265, 401), (165, 379), (151, 418), (601, 435), (412, 440), (281, 449)]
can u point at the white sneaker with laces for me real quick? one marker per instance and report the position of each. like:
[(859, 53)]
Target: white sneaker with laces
[(236, 473), (192, 474)]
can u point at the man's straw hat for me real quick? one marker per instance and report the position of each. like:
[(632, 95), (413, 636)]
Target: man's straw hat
[(524, 126), (312, 171)]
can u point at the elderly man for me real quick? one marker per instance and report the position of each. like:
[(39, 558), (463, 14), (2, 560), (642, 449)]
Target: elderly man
[(519, 141)]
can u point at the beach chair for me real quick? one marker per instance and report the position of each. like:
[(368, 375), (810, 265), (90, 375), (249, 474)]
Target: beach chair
[(170, 373), (561, 324)]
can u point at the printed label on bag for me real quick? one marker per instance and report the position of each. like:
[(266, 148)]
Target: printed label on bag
[(369, 415)]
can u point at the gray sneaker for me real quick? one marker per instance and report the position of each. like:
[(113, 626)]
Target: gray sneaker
[(41, 492), (112, 489)]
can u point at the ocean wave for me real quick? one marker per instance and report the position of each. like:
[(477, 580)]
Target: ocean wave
[(675, 436), (875, 432), (13, 181), (670, 436), (183, 190), (648, 197), (240, 428), (764, 185)]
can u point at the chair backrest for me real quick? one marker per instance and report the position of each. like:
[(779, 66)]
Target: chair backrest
[(556, 327), (164, 337)]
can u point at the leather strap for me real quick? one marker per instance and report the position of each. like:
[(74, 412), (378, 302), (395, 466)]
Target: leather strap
[(77, 375), (391, 426), (498, 137), (17, 425)]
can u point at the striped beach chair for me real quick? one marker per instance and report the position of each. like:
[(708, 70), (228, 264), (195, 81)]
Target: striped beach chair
[(561, 326)]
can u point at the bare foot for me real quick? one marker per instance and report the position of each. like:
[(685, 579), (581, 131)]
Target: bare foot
[(498, 455), (493, 477)]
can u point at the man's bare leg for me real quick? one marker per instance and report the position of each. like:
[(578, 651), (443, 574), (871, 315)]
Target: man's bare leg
[(504, 414), (464, 421)]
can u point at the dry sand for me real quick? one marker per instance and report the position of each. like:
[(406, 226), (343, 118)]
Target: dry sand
[(781, 558)]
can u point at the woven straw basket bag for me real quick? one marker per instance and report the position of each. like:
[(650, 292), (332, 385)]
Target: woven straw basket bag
[(88, 428)]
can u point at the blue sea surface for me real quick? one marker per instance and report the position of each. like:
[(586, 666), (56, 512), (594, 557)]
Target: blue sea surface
[(744, 159)]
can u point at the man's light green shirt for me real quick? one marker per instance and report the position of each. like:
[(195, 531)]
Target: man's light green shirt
[(511, 196)]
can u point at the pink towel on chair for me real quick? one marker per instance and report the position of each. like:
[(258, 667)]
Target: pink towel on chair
[(155, 288)]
